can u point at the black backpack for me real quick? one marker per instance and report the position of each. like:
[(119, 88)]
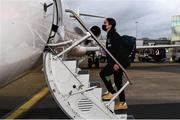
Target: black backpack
[(130, 43)]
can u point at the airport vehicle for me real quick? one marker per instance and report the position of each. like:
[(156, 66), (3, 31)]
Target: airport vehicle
[(155, 53), (152, 55)]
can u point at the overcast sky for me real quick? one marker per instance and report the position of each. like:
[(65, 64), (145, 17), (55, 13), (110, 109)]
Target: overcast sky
[(154, 16)]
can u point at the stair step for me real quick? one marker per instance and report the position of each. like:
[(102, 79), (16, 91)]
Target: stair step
[(95, 83), (83, 76), (61, 81), (98, 93), (71, 64), (111, 107), (83, 72)]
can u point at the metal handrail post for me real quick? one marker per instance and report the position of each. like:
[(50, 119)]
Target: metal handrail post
[(74, 45)]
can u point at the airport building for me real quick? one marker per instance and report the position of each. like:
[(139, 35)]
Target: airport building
[(175, 37), (147, 42), (175, 28)]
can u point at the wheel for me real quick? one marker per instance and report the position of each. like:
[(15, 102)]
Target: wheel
[(178, 60), (90, 63), (103, 59), (140, 59), (96, 62)]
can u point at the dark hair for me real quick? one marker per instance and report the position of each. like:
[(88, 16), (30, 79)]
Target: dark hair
[(112, 22)]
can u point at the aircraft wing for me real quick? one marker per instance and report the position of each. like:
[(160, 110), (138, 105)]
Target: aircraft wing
[(158, 46), (89, 15), (91, 49), (137, 47)]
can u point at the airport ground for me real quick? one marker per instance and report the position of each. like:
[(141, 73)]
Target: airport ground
[(155, 93)]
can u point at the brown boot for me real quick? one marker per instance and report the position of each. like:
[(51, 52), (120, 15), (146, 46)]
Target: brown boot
[(108, 96), (121, 106)]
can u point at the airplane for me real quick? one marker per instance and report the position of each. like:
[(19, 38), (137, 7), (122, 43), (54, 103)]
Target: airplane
[(27, 27)]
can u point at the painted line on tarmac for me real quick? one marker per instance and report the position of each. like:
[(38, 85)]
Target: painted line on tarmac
[(28, 104)]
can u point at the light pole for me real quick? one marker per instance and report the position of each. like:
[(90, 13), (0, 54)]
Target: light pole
[(137, 30)]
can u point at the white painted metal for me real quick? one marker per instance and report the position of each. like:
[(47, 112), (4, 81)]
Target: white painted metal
[(60, 44), (84, 78), (157, 46), (60, 76), (74, 45), (24, 31)]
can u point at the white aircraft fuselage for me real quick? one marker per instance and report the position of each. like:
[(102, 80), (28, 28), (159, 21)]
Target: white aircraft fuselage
[(24, 31), (25, 27)]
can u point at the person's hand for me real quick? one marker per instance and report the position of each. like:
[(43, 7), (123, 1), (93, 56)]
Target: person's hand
[(116, 67)]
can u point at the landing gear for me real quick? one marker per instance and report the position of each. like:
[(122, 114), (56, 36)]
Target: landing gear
[(90, 62), (102, 59), (96, 62), (144, 58), (93, 60)]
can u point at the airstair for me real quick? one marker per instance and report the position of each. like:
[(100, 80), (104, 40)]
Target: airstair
[(70, 86)]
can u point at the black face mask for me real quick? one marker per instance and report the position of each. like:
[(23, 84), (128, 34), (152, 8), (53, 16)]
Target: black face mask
[(104, 27)]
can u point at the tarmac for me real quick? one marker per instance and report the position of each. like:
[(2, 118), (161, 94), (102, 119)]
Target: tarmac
[(155, 93)]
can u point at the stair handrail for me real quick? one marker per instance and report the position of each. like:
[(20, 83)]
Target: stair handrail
[(73, 45), (107, 51), (67, 50), (99, 43)]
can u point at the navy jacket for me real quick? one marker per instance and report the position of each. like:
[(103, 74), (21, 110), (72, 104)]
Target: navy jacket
[(118, 48)]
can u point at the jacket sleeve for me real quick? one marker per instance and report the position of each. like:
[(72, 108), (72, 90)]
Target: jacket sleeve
[(114, 47), (118, 50)]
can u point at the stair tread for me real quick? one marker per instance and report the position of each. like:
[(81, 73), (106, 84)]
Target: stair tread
[(83, 72), (95, 83)]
